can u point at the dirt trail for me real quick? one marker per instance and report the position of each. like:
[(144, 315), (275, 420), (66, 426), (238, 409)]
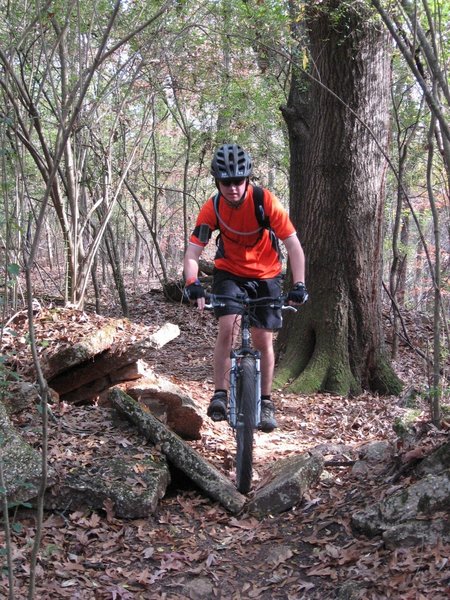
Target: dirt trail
[(191, 548)]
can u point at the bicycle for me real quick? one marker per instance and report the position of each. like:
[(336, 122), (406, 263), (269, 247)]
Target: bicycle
[(244, 407)]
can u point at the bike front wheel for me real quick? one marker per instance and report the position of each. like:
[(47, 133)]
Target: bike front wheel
[(246, 389)]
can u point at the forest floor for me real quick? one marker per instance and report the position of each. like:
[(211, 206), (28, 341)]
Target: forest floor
[(191, 547)]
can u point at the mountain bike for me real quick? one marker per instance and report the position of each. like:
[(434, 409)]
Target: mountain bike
[(244, 406)]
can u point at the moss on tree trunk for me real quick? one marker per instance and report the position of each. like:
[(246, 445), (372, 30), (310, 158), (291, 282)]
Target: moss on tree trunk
[(319, 362)]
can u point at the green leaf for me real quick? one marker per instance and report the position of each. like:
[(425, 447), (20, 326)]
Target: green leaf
[(13, 269), (17, 527), (51, 549), (22, 504)]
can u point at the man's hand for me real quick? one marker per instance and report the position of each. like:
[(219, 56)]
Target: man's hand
[(195, 292), (298, 294)]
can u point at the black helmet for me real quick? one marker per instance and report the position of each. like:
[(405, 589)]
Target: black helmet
[(231, 161)]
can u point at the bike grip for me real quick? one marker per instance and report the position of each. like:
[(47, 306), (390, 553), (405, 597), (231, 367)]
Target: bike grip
[(211, 302)]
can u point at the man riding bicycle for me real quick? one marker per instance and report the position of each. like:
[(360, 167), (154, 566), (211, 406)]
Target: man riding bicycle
[(247, 261)]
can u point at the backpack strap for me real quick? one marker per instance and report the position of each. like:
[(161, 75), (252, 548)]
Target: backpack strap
[(258, 199), (263, 219)]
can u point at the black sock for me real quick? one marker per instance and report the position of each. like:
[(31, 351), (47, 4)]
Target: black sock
[(224, 391), (265, 397)]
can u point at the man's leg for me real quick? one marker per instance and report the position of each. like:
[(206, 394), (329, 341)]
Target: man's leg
[(226, 335), (263, 341), (228, 329)]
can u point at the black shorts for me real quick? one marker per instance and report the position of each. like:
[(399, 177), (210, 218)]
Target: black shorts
[(262, 317)]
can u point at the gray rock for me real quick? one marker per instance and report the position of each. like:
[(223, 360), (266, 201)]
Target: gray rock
[(198, 589), (133, 486), (425, 497), (376, 453), (81, 372), (21, 463), (405, 426), (288, 481), (169, 404), (19, 395), (436, 462), (78, 353), (360, 469), (417, 533)]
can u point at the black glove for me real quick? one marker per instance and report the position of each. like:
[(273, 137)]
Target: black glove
[(194, 290), (298, 294)]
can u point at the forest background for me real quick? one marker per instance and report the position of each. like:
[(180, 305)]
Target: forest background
[(110, 113)]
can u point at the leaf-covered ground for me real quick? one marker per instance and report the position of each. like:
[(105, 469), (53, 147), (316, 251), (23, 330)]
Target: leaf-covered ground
[(191, 547)]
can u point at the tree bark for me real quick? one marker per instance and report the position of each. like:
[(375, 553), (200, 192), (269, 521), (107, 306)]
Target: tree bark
[(338, 126)]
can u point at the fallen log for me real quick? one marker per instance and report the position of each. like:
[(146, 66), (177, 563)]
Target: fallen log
[(163, 336), (178, 453)]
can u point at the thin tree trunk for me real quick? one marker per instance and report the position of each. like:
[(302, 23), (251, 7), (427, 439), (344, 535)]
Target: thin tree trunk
[(96, 286), (137, 250), (114, 260), (436, 388), (7, 530)]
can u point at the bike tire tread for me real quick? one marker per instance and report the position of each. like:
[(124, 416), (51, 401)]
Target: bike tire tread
[(245, 400)]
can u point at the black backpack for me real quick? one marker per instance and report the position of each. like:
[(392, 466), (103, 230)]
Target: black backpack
[(261, 217)]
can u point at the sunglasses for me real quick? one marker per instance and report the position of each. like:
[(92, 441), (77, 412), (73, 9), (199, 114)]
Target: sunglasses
[(230, 182)]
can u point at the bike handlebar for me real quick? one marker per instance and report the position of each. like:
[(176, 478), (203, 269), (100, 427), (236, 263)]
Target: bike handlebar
[(219, 301)]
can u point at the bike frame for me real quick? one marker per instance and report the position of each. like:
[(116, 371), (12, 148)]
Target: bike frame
[(233, 417)]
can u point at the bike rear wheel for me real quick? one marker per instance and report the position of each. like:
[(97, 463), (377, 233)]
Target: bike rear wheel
[(246, 386)]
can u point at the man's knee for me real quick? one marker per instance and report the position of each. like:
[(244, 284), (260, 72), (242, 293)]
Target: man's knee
[(228, 324), (263, 340)]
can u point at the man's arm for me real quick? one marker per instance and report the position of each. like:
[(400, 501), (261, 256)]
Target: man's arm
[(191, 259), (296, 258)]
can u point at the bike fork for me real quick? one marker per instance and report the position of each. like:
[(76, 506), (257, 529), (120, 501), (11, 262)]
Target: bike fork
[(233, 416)]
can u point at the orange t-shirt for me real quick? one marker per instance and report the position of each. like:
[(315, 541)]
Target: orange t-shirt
[(245, 249)]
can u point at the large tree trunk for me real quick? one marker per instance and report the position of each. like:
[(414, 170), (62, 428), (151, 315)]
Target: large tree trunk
[(337, 196)]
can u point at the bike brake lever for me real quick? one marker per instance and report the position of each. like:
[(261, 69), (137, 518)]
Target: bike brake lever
[(284, 307), (289, 307)]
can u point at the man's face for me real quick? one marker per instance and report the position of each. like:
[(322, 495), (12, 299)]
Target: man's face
[(233, 189)]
